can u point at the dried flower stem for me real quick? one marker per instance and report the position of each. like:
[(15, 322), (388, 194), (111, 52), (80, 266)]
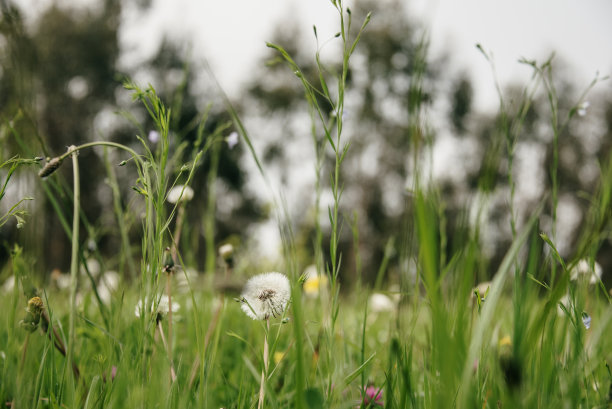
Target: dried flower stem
[(163, 337), (178, 228), (264, 371), (169, 347), (207, 337)]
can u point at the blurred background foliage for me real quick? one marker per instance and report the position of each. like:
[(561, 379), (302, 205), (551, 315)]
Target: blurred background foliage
[(60, 85)]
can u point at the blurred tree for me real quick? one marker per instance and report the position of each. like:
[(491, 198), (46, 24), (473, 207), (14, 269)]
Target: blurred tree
[(60, 86), (391, 83)]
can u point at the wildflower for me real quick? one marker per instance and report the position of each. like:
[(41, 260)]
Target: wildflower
[(180, 193), (154, 136), (162, 307), (109, 283), (381, 303), (314, 282), (586, 320), (505, 341), (373, 396), (33, 313), (583, 268), (232, 140), (278, 356), (226, 252), (581, 109), (8, 285), (266, 295)]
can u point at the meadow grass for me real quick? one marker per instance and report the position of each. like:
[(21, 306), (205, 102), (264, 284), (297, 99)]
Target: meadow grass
[(531, 338)]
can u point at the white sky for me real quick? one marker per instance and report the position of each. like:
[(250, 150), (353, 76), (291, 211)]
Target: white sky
[(231, 34)]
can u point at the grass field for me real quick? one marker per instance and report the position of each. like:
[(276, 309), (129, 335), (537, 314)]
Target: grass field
[(537, 336)]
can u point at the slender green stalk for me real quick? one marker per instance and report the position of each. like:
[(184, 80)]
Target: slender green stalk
[(210, 210), (264, 370), (74, 261)]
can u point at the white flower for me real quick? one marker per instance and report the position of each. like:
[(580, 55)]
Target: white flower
[(153, 136), (381, 303), (586, 320), (226, 251), (582, 108), (266, 295), (109, 283), (8, 285), (583, 269), (162, 306), (180, 193), (232, 140)]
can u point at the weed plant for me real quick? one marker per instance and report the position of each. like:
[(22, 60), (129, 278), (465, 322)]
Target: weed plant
[(534, 337)]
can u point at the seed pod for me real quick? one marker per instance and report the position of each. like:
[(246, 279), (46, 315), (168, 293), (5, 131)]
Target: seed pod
[(50, 167)]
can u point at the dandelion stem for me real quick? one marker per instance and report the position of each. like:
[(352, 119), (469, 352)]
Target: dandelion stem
[(264, 371)]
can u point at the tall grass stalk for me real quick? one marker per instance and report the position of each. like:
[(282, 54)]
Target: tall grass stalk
[(74, 260), (332, 129)]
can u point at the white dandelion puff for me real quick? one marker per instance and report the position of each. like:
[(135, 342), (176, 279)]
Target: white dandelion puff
[(162, 307), (381, 303), (180, 193), (266, 295)]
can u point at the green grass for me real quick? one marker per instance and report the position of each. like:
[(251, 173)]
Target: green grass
[(440, 346)]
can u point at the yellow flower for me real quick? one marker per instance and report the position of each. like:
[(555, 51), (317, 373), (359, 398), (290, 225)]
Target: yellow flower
[(505, 341), (314, 282), (278, 356)]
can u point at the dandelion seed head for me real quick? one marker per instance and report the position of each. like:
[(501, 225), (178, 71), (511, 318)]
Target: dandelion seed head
[(162, 307), (180, 193), (381, 303), (266, 295)]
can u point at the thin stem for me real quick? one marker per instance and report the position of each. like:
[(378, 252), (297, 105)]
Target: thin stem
[(25, 352), (169, 347), (178, 228), (209, 332), (74, 264), (264, 371), (163, 337)]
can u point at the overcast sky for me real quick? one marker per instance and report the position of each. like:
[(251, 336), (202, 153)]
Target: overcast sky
[(231, 34)]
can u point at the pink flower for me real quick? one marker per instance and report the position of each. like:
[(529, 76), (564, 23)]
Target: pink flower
[(373, 397)]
